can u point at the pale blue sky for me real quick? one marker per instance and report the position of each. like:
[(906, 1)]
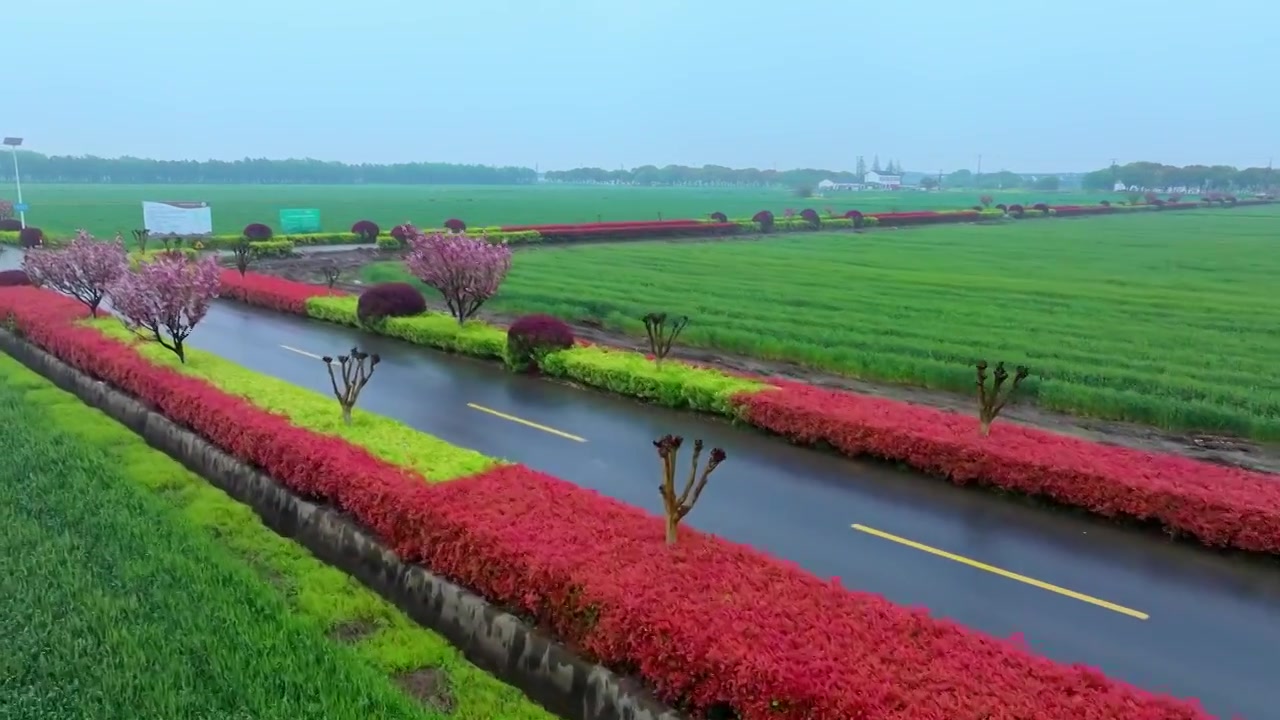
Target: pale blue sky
[(1030, 85)]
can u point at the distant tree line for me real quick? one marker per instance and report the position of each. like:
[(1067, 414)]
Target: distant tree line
[(1155, 175), (705, 175), (36, 167)]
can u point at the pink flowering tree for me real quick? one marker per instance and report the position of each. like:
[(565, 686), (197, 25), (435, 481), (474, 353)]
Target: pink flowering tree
[(466, 271), (84, 269), (164, 299), (6, 210)]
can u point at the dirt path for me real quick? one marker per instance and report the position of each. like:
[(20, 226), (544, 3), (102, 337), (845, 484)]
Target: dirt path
[(1209, 448)]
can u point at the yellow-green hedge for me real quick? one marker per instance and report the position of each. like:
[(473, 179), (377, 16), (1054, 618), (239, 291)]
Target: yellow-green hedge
[(628, 373), (138, 256), (672, 384), (384, 438), (432, 329)]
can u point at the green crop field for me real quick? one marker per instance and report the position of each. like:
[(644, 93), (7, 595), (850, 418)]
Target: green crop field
[(106, 209), (132, 589), (1167, 319)]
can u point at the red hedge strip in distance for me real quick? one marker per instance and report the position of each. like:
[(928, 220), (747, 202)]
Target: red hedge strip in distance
[(759, 634), (1218, 505), (271, 292)]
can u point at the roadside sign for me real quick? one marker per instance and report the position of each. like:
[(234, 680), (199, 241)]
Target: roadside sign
[(299, 221), (21, 207)]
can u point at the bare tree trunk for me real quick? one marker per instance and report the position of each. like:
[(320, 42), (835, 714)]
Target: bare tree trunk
[(346, 414), (984, 428), (672, 524)]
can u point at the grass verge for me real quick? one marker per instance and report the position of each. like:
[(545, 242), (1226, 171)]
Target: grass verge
[(138, 590), (386, 439)]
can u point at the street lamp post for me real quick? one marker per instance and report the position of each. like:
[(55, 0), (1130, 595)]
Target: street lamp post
[(13, 143)]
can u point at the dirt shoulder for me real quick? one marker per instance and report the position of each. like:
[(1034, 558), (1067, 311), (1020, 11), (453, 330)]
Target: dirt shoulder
[(1209, 448)]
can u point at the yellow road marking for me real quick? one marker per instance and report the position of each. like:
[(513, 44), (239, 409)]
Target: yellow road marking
[(527, 423), (303, 352), (1004, 573)]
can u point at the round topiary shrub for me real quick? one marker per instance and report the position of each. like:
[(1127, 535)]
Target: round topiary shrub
[(810, 216), (10, 278), (10, 225), (1002, 207), (1016, 210), (531, 337), (765, 219), (257, 231), (395, 299), (1042, 207), (401, 234), (977, 208), (856, 217), (455, 225), (31, 237), (366, 230), (719, 217), (1106, 203)]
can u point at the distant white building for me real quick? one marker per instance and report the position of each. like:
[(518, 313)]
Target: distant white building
[(881, 181), (832, 185)]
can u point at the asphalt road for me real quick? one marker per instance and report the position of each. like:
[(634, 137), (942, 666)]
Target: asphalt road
[(1165, 617)]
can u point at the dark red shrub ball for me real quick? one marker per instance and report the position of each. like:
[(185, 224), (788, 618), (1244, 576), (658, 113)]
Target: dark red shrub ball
[(257, 231), (810, 216), (533, 336), (366, 230), (455, 225), (765, 219), (10, 225), (31, 237), (1016, 210), (719, 217), (401, 233), (394, 299), (9, 278)]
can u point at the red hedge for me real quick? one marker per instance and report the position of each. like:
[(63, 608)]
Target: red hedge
[(393, 299), (257, 231), (368, 230), (271, 292), (10, 278), (788, 647), (1220, 506)]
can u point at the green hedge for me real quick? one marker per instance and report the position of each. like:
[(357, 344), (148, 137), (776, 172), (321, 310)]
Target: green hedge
[(624, 372), (271, 248)]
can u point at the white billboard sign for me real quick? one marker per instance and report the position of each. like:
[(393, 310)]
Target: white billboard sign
[(177, 218)]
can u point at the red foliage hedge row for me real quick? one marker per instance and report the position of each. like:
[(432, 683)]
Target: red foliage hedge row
[(271, 292), (615, 223), (637, 230), (706, 622), (923, 217), (1220, 506)]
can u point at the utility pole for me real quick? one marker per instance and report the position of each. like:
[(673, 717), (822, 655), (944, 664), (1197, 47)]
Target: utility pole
[(977, 181), (13, 143)]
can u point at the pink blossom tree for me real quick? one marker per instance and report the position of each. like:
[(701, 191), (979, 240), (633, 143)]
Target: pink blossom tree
[(466, 271), (165, 298), (84, 269), (6, 210)]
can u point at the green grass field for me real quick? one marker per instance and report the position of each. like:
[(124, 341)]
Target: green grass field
[(135, 590), (107, 209), (1165, 319)]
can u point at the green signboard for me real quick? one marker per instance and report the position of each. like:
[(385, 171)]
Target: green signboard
[(297, 221)]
